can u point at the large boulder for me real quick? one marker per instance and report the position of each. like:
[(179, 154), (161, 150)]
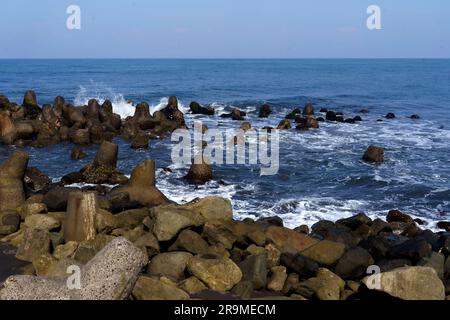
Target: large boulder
[(374, 154), (408, 283), (8, 131), (12, 172), (9, 222), (56, 198), (325, 286), (36, 242), (169, 264), (190, 241), (141, 186), (325, 252), (254, 269), (288, 240), (218, 273), (354, 263), (110, 275), (30, 104)]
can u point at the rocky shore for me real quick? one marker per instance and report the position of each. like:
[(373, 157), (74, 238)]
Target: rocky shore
[(132, 242)]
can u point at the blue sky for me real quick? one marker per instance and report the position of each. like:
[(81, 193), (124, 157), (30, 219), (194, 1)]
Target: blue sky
[(225, 29)]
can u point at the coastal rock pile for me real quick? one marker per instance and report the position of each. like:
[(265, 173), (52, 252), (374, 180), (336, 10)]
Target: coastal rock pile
[(164, 250)]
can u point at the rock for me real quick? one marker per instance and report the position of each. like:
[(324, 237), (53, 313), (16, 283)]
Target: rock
[(374, 154), (356, 221), (141, 186), (264, 111), (354, 263), (168, 223), (170, 264), (192, 285), (218, 233), (65, 251), (196, 108), (254, 269), (331, 116), (273, 255), (444, 225), (32, 109), (271, 221), (408, 283), (147, 288), (36, 242), (302, 229), (288, 240), (326, 286), (8, 131), (35, 180), (388, 265), (12, 172), (284, 124), (80, 137), (87, 250), (243, 289), (42, 221), (398, 216), (307, 123), (200, 171), (308, 110), (293, 114), (278, 278), (291, 282), (56, 198), (43, 264), (414, 117), (111, 275), (190, 241), (218, 273), (301, 265), (325, 252), (140, 141), (413, 249), (77, 153), (79, 224), (435, 261), (211, 208), (390, 115), (149, 243), (237, 114), (9, 222)]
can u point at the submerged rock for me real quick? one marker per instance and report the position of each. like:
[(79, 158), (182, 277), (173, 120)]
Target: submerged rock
[(374, 154)]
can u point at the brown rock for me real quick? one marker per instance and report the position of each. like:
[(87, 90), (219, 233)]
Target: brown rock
[(374, 154), (12, 172), (80, 218), (36, 242), (288, 240)]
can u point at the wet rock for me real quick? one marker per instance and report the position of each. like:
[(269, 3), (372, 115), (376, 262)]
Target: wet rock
[(8, 131), (196, 108), (80, 136), (200, 171), (413, 249), (308, 110), (307, 123), (354, 263), (147, 288), (36, 242), (111, 275), (246, 126), (299, 264), (141, 186), (284, 124), (398, 216), (35, 180), (264, 111), (79, 224), (444, 225), (408, 283), (390, 115), (30, 104), (415, 117), (325, 252), (302, 229), (331, 116), (271, 221), (12, 172), (277, 279), (170, 264), (374, 154), (293, 114), (218, 273), (190, 241), (254, 269), (140, 141), (288, 240)]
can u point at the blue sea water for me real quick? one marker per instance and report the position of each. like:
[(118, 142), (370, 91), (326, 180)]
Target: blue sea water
[(321, 173)]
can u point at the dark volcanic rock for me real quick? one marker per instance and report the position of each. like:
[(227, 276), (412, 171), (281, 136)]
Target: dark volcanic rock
[(196, 108), (254, 269), (56, 198), (398, 216), (35, 180), (390, 115), (264, 111), (301, 265), (413, 249), (294, 114), (331, 116)]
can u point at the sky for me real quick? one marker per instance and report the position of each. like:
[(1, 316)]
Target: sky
[(225, 29)]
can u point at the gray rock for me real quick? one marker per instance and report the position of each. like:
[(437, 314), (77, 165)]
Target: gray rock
[(111, 275), (408, 283), (436, 261), (190, 241), (170, 264), (254, 269)]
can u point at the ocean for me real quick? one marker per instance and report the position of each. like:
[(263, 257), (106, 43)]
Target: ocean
[(321, 173)]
